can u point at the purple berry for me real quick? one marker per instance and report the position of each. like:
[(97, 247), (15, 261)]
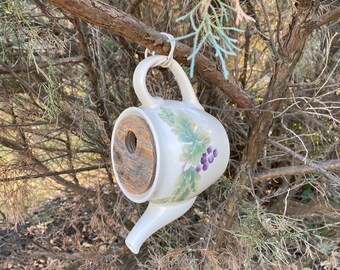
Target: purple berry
[(211, 159), (198, 168), (203, 159), (209, 150), (205, 167), (215, 153)]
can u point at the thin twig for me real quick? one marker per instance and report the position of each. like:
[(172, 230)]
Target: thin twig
[(51, 173), (133, 6), (271, 35), (38, 123), (43, 169), (308, 162), (329, 210), (279, 22), (61, 61), (329, 165)]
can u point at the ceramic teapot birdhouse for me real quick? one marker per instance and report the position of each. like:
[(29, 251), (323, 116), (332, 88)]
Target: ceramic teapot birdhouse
[(165, 152)]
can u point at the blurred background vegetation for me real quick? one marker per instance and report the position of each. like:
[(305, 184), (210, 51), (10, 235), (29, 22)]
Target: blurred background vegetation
[(63, 82)]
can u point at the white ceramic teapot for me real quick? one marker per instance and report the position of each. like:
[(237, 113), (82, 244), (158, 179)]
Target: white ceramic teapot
[(165, 152)]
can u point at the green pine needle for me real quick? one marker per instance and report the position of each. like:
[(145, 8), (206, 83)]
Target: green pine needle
[(212, 31)]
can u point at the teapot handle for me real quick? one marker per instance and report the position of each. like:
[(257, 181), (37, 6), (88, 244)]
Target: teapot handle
[(139, 82)]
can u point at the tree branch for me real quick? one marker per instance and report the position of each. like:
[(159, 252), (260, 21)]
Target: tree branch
[(43, 169), (11, 144), (243, 76), (51, 173), (309, 162), (296, 170), (133, 6), (122, 24), (317, 22), (330, 210), (25, 85), (37, 123), (92, 68), (61, 61), (60, 180), (271, 42)]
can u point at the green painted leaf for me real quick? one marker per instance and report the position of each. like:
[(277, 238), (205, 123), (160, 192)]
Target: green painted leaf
[(163, 200), (167, 116), (181, 194), (186, 183), (184, 128), (192, 152)]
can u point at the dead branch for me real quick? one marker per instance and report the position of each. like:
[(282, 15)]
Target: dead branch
[(37, 123), (321, 208), (93, 76), (240, 14), (309, 162), (330, 165), (133, 6), (271, 42), (317, 22), (61, 61), (122, 24), (243, 76), (52, 173), (11, 144), (30, 90), (43, 169), (62, 181)]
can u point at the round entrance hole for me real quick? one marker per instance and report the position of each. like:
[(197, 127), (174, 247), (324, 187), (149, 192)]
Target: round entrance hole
[(131, 142)]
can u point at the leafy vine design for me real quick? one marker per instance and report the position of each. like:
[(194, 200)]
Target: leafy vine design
[(196, 153)]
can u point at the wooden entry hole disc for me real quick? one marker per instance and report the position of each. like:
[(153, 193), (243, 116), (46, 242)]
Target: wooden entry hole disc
[(134, 154)]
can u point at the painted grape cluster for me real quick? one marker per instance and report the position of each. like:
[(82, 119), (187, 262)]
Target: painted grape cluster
[(194, 140), (207, 158)]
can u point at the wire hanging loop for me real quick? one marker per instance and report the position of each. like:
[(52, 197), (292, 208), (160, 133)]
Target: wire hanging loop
[(168, 61), (172, 40)]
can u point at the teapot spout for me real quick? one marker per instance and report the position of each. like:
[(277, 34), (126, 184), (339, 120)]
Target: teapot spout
[(155, 217)]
